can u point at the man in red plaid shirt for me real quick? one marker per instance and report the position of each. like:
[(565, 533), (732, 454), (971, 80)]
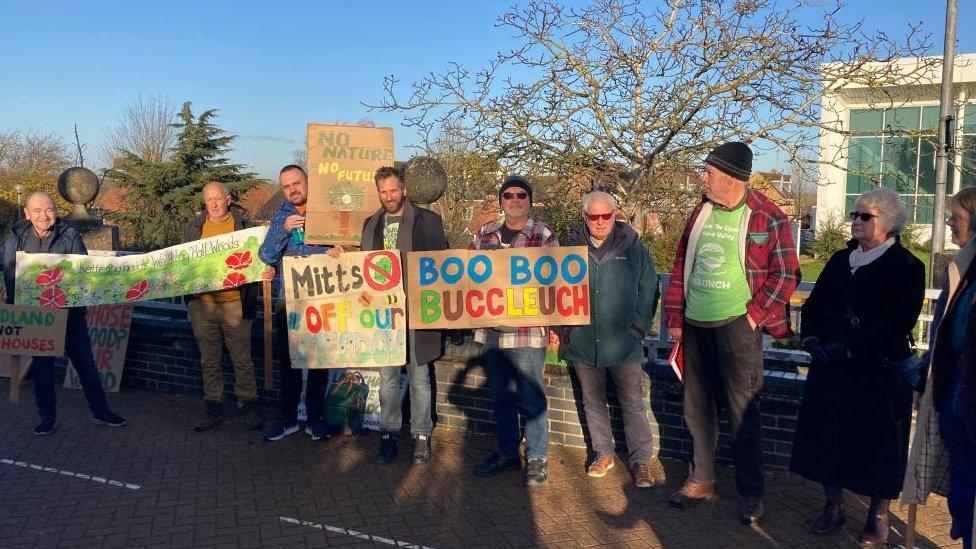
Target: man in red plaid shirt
[(735, 269), (514, 357)]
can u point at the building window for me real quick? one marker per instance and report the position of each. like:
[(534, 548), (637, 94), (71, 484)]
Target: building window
[(896, 149)]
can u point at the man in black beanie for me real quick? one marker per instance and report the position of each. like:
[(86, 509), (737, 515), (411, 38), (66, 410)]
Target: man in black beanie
[(735, 269)]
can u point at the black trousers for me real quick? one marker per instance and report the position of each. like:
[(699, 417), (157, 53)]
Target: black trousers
[(724, 368), (291, 378)]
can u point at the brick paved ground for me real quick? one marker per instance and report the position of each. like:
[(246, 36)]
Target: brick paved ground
[(229, 489)]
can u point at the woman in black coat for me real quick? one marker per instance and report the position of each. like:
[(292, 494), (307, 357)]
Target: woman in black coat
[(854, 422)]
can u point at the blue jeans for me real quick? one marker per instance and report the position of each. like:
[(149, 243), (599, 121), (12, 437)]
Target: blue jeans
[(515, 376), (391, 414), (77, 345), (962, 471)]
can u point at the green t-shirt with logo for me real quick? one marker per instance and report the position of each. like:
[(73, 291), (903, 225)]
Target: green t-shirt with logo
[(718, 288), (391, 227)]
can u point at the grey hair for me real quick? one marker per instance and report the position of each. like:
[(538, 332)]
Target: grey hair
[(597, 195), (891, 210), (38, 194), (224, 191)]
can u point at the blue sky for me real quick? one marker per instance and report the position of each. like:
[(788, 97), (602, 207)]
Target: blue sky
[(269, 67)]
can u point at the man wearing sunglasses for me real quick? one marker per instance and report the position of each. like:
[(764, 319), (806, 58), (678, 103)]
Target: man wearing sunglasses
[(514, 357), (735, 269)]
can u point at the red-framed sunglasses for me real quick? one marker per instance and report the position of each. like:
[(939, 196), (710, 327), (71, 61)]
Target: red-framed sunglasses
[(605, 217)]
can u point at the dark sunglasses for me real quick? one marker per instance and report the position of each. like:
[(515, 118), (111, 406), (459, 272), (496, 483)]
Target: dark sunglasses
[(865, 216), (605, 217), (520, 196)]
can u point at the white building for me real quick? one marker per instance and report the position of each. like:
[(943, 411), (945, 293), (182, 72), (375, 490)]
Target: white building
[(888, 135)]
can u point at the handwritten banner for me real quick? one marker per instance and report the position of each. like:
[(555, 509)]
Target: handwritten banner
[(489, 288), (108, 327), (345, 312), (32, 331), (218, 262), (341, 194)]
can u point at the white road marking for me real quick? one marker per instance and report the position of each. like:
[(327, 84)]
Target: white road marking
[(352, 533), (92, 478)]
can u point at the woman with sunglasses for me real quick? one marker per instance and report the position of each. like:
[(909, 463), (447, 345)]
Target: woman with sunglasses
[(623, 297), (853, 425), (947, 413)]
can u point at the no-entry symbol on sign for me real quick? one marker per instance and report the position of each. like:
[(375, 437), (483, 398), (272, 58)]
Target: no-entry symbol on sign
[(382, 270)]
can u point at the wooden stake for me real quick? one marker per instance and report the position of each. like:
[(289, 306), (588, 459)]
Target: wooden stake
[(268, 340), (15, 377)]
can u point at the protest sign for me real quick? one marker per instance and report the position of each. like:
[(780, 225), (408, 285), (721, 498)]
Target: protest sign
[(488, 288), (108, 327), (32, 331), (347, 311), (341, 194), (215, 263)]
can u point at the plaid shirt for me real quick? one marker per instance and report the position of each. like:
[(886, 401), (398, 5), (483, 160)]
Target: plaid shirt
[(535, 234), (771, 265)]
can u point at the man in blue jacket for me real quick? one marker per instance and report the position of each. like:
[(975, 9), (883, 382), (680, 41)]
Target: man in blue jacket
[(286, 237), (43, 232)]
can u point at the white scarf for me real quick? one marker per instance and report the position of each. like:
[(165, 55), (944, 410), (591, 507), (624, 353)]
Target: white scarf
[(860, 258)]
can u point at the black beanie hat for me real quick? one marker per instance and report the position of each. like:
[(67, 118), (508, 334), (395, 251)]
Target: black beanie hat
[(734, 158), (516, 181)]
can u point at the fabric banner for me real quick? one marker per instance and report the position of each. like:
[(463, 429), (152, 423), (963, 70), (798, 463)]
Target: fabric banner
[(498, 288), (108, 327), (32, 331), (346, 312), (215, 263), (341, 194)]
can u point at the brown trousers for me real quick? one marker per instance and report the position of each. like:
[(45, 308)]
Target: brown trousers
[(214, 325)]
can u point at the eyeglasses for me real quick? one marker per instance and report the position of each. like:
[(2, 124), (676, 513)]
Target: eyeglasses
[(606, 217), (520, 196), (864, 216)]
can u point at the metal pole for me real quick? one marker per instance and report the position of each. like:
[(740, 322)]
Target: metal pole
[(946, 133)]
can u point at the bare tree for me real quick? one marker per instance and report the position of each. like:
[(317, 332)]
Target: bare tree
[(79, 148), (29, 162), (625, 95), (145, 129)]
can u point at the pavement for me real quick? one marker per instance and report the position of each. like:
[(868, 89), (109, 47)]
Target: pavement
[(158, 483)]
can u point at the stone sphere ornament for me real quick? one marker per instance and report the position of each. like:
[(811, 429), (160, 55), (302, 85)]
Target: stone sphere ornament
[(79, 186), (426, 180)]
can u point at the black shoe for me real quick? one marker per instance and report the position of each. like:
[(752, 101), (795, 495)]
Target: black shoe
[(212, 417), (108, 418), (537, 473), (44, 427), (421, 448), (751, 511), (497, 464), (388, 448), (252, 416)]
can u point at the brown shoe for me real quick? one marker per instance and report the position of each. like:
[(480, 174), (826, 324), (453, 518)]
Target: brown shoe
[(875, 531), (691, 493), (642, 475), (600, 465)]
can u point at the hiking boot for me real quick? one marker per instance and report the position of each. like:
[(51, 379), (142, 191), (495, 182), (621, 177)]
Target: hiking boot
[(252, 416), (537, 473), (751, 510), (600, 465), (691, 493), (389, 445), (642, 475), (496, 464), (831, 519), (212, 417), (875, 530), (281, 429), (316, 430), (421, 448), (108, 418), (44, 427)]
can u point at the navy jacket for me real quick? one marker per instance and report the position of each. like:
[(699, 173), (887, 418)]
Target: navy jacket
[(279, 243), (22, 238)]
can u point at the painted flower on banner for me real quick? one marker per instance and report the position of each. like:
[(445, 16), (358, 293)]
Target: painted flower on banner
[(137, 290), (238, 260), (50, 277), (52, 298), (234, 280)]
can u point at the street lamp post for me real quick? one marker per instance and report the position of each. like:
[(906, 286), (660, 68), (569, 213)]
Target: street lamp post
[(18, 188)]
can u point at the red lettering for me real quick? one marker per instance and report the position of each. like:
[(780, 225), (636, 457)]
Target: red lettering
[(313, 322), (474, 310), (581, 300), (561, 292), (493, 308)]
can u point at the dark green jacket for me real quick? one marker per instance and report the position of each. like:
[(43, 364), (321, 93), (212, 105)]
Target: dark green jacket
[(623, 298)]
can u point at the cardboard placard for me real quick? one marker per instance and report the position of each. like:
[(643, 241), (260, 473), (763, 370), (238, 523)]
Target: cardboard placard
[(346, 312), (32, 331), (341, 194), (494, 288), (68, 280), (108, 327)]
